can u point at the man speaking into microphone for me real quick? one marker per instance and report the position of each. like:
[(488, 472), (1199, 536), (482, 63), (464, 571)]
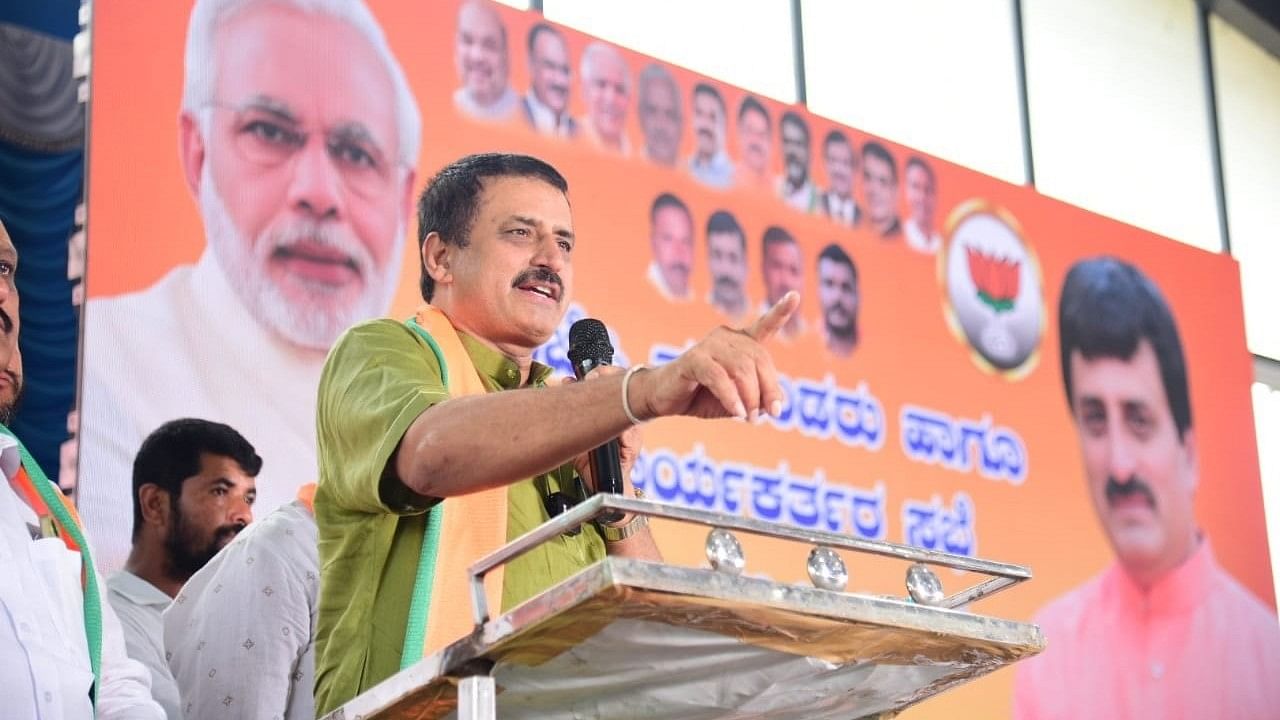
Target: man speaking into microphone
[(439, 439)]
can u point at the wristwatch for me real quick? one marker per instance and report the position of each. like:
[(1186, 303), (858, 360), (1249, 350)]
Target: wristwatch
[(618, 533)]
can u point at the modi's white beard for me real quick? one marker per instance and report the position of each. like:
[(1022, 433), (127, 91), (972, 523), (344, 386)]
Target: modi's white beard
[(317, 322)]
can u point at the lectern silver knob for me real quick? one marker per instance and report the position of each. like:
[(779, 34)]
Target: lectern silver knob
[(724, 552), (923, 585), (827, 570)]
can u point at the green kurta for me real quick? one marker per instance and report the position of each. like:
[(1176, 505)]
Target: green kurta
[(380, 376)]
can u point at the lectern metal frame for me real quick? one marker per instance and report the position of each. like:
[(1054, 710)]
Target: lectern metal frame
[(790, 620), (1002, 575)]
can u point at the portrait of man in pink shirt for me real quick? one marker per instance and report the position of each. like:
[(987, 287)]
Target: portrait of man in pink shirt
[(1165, 631)]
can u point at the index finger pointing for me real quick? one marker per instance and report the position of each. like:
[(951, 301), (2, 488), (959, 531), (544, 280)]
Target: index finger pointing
[(775, 317)]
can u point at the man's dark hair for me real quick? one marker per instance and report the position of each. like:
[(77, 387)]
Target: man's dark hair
[(874, 149), (837, 254), (774, 235), (791, 117), (451, 200), (836, 136), (666, 200), (723, 221), (917, 161), (1108, 306), (703, 88), (172, 453), (538, 29), (751, 104)]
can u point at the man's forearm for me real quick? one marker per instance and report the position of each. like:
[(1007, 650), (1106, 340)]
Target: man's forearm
[(478, 442)]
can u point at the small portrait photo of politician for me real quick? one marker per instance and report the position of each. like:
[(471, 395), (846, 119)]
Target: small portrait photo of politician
[(661, 114), (727, 264), (755, 144), (481, 57), (709, 163), (298, 136), (546, 104), (606, 92), (839, 160), (1165, 630), (795, 186), (921, 191), (782, 265), (839, 300), (880, 190), (671, 240)]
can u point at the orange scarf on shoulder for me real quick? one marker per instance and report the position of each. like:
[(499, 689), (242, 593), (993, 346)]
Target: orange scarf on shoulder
[(460, 530)]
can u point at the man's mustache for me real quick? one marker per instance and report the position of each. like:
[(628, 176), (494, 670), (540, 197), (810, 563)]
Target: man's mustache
[(228, 531), (705, 133), (1117, 490), (283, 242), (6, 322), (539, 274), (726, 283), (838, 311)]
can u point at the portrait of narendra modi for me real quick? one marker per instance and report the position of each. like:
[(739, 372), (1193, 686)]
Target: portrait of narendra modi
[(298, 137)]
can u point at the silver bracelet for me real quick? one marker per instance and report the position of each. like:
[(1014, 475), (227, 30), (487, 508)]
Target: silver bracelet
[(626, 383)]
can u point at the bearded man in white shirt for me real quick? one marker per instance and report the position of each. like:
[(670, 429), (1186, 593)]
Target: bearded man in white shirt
[(299, 137), (193, 492), (62, 655)]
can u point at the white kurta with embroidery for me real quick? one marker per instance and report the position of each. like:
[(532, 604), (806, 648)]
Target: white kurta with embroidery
[(239, 635)]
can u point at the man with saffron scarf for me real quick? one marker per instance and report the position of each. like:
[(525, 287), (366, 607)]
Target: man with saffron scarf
[(434, 448), (62, 653)]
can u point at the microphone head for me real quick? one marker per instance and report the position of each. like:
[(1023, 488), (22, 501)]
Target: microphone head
[(589, 340)]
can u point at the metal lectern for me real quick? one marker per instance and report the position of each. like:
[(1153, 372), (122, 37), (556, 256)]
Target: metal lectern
[(632, 639)]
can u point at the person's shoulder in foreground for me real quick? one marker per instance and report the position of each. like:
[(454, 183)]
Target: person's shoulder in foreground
[(240, 633)]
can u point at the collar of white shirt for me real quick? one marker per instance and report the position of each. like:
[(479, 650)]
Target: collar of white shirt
[(137, 590)]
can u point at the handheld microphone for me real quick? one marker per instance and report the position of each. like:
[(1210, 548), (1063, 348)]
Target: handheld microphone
[(589, 348)]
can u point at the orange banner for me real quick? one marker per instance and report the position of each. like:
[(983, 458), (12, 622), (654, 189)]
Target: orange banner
[(927, 402)]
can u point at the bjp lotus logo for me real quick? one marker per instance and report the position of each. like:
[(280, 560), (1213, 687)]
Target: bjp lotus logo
[(997, 279), (993, 289)]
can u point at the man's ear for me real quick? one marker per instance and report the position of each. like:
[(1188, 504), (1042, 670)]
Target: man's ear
[(154, 503), (436, 255), (191, 151)]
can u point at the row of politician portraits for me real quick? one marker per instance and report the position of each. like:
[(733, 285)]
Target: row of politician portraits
[(864, 185), (783, 267)]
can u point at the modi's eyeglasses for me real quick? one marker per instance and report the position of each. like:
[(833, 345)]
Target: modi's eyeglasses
[(268, 134)]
